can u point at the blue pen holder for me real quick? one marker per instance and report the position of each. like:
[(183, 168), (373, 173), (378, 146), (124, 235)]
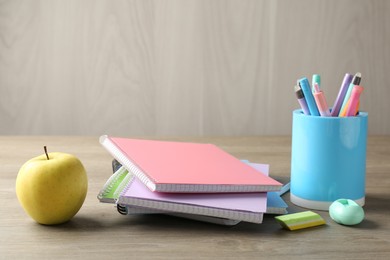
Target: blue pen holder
[(328, 159)]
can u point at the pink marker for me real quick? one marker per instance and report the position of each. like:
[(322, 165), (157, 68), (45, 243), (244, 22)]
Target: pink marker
[(354, 100), (321, 101)]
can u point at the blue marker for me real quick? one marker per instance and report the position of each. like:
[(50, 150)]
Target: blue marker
[(305, 86)]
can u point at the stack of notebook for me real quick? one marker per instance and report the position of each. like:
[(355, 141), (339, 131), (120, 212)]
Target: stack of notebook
[(192, 180)]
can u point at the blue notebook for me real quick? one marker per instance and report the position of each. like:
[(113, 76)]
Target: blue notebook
[(276, 204)]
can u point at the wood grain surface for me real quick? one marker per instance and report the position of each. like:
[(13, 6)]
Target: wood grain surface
[(183, 67), (99, 232)]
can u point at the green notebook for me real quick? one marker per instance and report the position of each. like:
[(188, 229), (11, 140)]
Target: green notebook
[(114, 186)]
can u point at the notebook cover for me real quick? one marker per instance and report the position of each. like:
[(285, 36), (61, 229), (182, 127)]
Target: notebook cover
[(240, 206), (186, 167), (275, 204), (130, 210)]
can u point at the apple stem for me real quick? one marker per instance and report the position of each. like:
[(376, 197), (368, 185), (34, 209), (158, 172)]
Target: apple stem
[(47, 155)]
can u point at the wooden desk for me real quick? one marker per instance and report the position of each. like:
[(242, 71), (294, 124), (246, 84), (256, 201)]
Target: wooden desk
[(98, 231)]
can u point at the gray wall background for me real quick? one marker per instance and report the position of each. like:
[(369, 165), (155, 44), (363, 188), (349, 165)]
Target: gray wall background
[(184, 67)]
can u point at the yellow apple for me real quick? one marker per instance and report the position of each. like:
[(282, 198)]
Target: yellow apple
[(52, 187)]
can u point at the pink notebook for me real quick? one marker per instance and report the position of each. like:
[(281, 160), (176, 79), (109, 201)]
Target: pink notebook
[(183, 167), (248, 207)]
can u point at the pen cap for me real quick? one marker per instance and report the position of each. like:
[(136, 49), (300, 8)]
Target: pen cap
[(357, 78), (328, 159), (316, 79), (298, 92)]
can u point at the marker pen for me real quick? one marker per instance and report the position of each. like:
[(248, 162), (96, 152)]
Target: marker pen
[(315, 79), (355, 81), (354, 100), (305, 86), (301, 100), (321, 101), (340, 97)]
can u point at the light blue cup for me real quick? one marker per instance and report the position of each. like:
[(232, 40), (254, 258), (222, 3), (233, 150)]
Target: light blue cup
[(328, 159)]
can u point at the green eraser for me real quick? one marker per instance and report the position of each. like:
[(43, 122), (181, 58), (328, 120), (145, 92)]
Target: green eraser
[(300, 220), (346, 212)]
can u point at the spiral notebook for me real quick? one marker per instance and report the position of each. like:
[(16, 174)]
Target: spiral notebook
[(130, 210), (114, 185), (183, 167), (118, 181), (248, 207), (275, 205)]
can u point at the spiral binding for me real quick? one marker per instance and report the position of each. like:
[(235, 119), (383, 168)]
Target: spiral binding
[(121, 209), (111, 182)]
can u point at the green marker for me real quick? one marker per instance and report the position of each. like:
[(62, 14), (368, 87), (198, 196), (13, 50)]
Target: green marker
[(316, 79)]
